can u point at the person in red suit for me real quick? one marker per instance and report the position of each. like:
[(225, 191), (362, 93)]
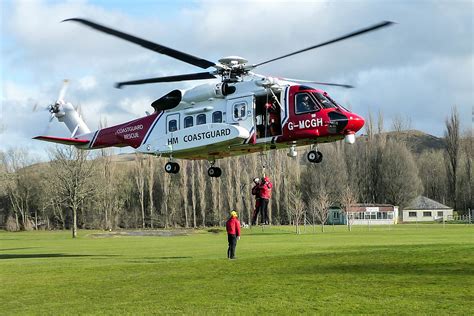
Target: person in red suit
[(256, 192), (233, 234), (265, 189)]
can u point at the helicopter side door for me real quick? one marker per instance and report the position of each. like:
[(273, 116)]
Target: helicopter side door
[(240, 112)]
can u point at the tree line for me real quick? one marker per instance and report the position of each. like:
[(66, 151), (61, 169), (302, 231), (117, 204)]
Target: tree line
[(96, 190)]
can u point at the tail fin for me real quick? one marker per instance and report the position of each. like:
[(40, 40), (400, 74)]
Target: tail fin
[(67, 114)]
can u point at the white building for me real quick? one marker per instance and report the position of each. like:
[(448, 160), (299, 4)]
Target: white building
[(423, 209), (365, 214)]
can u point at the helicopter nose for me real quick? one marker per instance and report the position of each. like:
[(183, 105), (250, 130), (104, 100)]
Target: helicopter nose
[(356, 122)]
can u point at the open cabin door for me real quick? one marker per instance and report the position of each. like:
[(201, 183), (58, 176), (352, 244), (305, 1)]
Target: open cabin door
[(268, 114)]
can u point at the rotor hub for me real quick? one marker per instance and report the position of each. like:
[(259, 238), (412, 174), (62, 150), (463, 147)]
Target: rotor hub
[(232, 61)]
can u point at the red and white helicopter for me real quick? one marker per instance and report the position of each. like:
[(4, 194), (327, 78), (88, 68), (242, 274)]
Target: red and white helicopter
[(244, 113)]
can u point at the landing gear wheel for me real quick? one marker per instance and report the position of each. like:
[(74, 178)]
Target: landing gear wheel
[(172, 167), (214, 172), (176, 167), (315, 156)]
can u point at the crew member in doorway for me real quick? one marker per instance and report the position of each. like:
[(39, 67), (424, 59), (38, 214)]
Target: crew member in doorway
[(256, 192), (265, 190), (273, 118), (233, 234)]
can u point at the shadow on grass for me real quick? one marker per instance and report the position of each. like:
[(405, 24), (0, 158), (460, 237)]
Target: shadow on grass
[(45, 255), (158, 259), (164, 258), (391, 260), (268, 230), (7, 249)]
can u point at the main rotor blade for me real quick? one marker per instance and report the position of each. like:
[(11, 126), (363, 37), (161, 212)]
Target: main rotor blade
[(193, 60), (352, 34), (196, 76), (319, 83)]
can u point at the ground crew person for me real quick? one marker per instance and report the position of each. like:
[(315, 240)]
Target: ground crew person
[(256, 192), (233, 234)]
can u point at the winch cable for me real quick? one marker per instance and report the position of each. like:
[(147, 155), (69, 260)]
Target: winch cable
[(264, 154), (265, 160)]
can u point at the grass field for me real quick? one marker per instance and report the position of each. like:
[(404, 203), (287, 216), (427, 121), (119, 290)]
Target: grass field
[(404, 269)]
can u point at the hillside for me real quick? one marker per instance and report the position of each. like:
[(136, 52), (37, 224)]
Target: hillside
[(416, 141)]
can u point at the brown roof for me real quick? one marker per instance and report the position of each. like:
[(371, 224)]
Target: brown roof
[(362, 207)]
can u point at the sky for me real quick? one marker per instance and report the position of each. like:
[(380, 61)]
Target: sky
[(417, 69)]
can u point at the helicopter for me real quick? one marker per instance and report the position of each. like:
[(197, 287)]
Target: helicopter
[(243, 113)]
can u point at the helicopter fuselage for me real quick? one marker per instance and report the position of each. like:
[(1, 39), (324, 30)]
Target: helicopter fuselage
[(254, 118)]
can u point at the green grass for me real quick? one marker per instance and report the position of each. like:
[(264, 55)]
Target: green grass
[(404, 269)]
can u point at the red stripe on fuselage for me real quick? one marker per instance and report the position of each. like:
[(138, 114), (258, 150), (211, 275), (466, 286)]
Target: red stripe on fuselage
[(127, 134)]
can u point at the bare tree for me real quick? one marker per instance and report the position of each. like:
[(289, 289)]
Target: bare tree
[(150, 177), (401, 123), (18, 183), (297, 208), (432, 173), (139, 175), (193, 191), (72, 172), (452, 153), (399, 181), (165, 180), (466, 184), (322, 204), (183, 182), (106, 191), (201, 188), (347, 199)]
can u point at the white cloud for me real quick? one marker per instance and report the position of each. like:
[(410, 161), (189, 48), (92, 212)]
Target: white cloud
[(419, 67), (87, 83)]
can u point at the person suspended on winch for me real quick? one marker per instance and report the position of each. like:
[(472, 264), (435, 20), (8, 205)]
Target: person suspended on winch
[(264, 194), (256, 193)]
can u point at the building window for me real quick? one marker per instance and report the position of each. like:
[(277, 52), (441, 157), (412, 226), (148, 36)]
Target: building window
[(440, 213), (217, 117), (411, 214), (360, 215), (172, 126), (188, 121), (381, 215), (426, 214), (201, 119), (335, 215)]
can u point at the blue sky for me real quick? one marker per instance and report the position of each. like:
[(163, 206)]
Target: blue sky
[(417, 69)]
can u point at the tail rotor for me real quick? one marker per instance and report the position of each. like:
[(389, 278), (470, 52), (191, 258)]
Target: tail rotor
[(56, 107)]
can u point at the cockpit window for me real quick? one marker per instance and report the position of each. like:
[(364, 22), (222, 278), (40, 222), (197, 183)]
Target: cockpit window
[(334, 102), (325, 102), (305, 103)]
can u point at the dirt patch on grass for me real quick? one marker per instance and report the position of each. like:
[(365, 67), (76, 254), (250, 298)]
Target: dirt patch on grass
[(142, 233), (214, 230)]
